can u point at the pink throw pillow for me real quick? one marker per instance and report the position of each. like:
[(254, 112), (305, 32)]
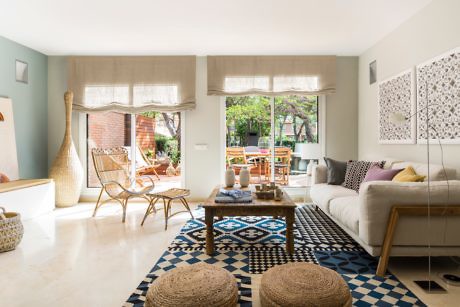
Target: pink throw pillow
[(376, 173)]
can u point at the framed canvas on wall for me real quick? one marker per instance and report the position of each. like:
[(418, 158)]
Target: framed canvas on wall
[(396, 99), (8, 153)]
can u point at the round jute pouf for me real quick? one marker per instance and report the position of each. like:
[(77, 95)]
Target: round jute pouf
[(303, 284), (195, 285)]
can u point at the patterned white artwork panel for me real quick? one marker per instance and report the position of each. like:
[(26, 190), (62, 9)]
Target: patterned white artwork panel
[(438, 98), (397, 101)]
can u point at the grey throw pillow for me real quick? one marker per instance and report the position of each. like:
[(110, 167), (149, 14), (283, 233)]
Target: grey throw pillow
[(335, 171)]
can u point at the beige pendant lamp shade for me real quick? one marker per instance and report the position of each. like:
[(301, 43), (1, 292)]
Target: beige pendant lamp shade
[(271, 75), (66, 169), (132, 84)]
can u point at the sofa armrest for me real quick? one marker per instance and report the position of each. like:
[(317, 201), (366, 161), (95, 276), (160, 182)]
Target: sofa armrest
[(376, 199), (319, 174)]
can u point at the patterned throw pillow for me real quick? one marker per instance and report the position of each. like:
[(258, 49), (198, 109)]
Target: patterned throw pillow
[(356, 172)]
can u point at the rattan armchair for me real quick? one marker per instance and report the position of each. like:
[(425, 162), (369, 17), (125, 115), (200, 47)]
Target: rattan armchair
[(112, 168)]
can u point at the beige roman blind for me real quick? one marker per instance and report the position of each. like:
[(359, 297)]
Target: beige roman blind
[(271, 75), (132, 84)]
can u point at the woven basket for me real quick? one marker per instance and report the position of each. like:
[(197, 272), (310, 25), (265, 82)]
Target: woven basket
[(11, 230)]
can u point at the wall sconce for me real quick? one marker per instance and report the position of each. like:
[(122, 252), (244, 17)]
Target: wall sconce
[(2, 119)]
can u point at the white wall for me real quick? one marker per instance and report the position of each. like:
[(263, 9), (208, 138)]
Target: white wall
[(432, 31), (203, 169), (342, 112)]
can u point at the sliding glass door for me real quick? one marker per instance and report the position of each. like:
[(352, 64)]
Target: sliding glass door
[(275, 136), (156, 144), (296, 126)]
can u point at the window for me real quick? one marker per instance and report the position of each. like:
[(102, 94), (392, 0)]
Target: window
[(252, 125), (242, 84), (158, 143), (145, 94), (96, 96)]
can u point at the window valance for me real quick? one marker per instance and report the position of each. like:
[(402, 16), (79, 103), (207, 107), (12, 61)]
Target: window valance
[(271, 75), (132, 84)]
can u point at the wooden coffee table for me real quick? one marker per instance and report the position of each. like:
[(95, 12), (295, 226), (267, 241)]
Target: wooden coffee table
[(258, 207)]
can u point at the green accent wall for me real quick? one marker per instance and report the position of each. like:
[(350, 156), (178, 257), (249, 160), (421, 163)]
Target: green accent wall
[(30, 106)]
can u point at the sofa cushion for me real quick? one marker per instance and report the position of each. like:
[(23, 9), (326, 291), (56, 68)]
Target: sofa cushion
[(335, 171), (436, 170), (322, 194), (346, 211)]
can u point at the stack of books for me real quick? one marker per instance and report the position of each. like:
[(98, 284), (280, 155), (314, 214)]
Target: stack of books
[(233, 196)]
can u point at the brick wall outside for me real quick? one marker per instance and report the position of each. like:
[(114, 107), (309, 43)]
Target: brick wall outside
[(113, 129), (145, 132), (105, 130)]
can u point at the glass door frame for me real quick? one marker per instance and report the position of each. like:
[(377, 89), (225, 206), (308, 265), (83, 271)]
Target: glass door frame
[(89, 193), (321, 133)]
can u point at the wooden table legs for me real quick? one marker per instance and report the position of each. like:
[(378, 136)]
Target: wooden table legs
[(209, 220), (290, 231)]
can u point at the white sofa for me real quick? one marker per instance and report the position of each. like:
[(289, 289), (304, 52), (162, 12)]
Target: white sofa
[(364, 215)]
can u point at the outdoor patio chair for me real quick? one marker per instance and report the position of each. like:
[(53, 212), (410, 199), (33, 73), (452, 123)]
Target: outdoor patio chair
[(112, 168), (282, 164), (144, 166), (236, 159)]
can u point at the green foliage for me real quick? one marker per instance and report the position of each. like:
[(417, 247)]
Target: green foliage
[(149, 153), (247, 114), (172, 150), (287, 142), (160, 142), (168, 145), (251, 114), (151, 114)]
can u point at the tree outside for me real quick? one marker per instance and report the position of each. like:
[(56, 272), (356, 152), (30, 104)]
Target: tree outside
[(167, 142), (248, 119)]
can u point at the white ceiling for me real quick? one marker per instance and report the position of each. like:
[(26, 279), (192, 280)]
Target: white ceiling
[(202, 27)]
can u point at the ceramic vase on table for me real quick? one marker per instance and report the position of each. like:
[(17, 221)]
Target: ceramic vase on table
[(229, 177), (244, 177), (66, 169)]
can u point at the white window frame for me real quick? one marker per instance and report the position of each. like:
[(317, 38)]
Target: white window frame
[(321, 130), (90, 193)]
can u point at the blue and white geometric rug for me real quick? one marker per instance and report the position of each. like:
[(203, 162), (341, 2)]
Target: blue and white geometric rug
[(250, 245)]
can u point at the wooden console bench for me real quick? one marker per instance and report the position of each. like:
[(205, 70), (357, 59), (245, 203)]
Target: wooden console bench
[(29, 197)]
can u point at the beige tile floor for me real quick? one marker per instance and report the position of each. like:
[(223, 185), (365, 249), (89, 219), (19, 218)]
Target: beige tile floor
[(69, 259)]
